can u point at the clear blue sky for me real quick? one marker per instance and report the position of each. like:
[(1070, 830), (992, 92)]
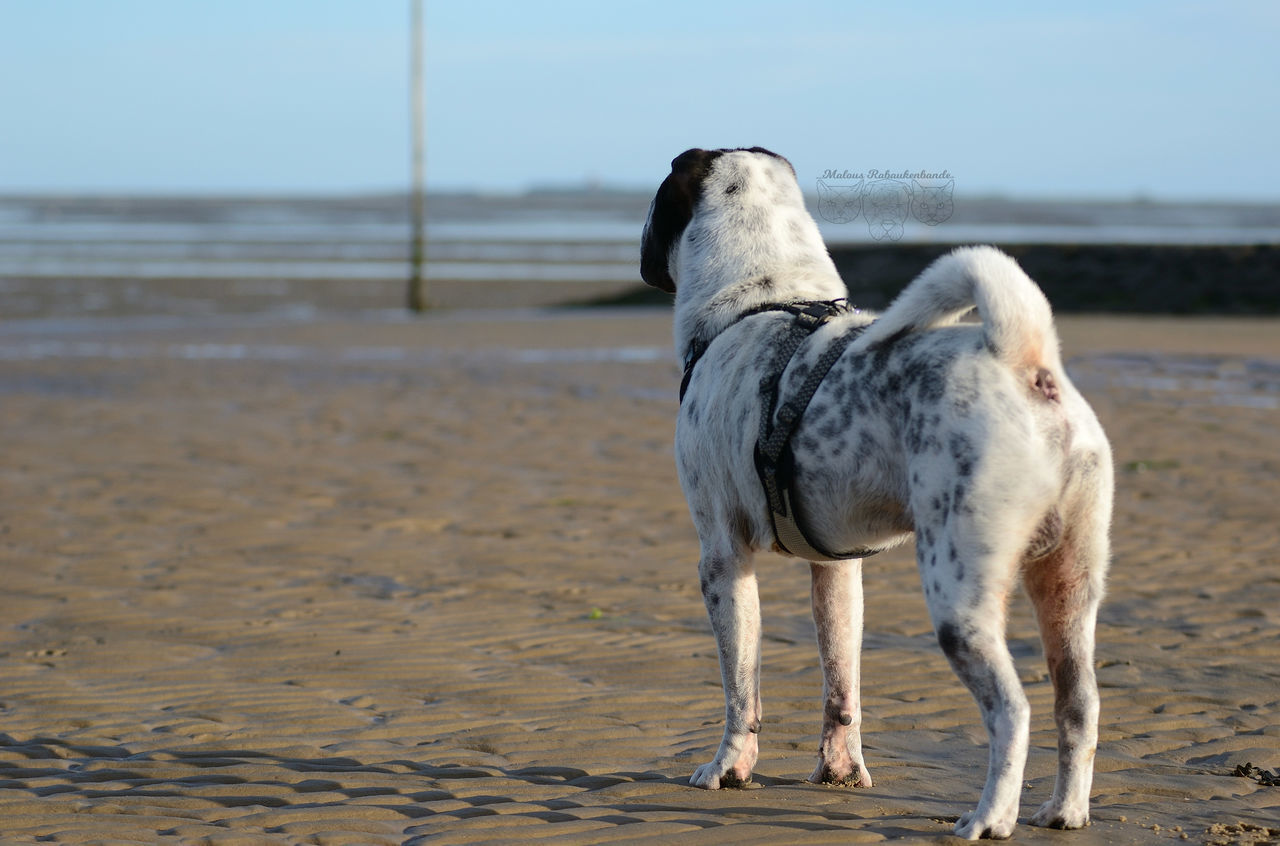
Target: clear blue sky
[(1167, 99)]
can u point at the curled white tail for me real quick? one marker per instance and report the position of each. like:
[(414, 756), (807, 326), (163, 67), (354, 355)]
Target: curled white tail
[(1016, 319)]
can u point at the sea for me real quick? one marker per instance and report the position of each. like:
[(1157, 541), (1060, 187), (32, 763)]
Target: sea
[(88, 277), (65, 256)]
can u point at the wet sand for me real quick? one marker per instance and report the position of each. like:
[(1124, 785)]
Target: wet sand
[(378, 582)]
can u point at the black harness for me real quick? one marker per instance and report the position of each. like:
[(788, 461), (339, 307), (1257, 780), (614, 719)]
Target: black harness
[(775, 462)]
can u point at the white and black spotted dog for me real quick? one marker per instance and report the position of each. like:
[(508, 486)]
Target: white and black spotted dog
[(967, 436)]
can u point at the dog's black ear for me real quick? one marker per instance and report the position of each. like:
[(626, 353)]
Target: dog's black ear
[(670, 213)]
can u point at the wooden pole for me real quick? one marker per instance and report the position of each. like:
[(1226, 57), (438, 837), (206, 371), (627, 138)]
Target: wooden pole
[(417, 196)]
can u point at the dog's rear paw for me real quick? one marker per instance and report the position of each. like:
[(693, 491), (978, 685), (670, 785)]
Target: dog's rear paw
[(973, 827), (713, 776), (1051, 815)]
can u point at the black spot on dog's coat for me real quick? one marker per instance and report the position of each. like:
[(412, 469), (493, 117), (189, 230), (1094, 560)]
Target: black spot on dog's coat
[(952, 642), (963, 452), (930, 385), (691, 410)]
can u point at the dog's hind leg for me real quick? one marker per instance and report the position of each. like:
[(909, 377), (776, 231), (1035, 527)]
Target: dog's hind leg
[(733, 604), (966, 587), (837, 612), (1066, 587)]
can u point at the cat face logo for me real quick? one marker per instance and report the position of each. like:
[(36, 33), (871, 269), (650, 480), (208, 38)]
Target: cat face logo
[(886, 203), (932, 204), (839, 203)]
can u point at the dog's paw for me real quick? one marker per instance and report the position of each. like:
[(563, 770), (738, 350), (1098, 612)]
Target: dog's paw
[(973, 827), (714, 776), (848, 775), (1052, 815)]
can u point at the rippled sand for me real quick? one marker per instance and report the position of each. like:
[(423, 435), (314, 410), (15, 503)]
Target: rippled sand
[(376, 582)]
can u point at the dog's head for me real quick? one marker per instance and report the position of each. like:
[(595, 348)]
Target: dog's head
[(702, 179)]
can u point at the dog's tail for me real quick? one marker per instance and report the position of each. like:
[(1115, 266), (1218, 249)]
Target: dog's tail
[(1016, 319)]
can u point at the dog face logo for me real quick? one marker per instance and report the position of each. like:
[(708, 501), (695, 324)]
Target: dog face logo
[(932, 204), (839, 203), (886, 204)]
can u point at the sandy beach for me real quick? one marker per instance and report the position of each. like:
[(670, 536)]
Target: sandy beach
[(376, 581)]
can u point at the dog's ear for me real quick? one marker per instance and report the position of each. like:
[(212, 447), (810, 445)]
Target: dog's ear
[(669, 214)]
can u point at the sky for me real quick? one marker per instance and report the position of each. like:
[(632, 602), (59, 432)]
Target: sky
[(1166, 100)]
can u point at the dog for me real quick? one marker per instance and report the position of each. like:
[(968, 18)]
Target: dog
[(967, 436)]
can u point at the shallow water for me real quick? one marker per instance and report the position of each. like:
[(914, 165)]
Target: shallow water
[(82, 255), (1182, 380)]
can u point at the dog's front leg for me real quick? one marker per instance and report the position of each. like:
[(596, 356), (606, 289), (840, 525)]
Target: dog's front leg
[(837, 612), (733, 603)]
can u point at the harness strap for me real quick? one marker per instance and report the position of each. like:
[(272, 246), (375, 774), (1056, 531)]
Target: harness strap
[(774, 461)]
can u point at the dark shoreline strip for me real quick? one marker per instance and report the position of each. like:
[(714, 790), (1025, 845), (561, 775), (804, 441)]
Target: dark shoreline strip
[(1119, 278)]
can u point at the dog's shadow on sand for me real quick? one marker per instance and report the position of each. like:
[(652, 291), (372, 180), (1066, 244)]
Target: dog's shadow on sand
[(265, 791)]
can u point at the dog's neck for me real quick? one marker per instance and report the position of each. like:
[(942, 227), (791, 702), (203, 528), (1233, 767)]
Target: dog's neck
[(699, 320)]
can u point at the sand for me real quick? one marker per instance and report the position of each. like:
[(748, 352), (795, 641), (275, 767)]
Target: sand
[(381, 582)]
